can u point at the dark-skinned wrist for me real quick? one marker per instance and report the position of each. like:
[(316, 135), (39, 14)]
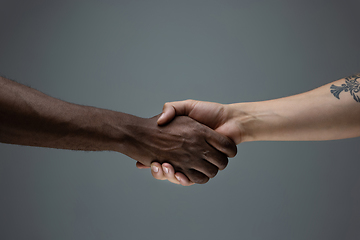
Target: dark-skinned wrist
[(109, 129)]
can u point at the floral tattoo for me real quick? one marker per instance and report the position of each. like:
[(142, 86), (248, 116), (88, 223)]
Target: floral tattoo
[(351, 85)]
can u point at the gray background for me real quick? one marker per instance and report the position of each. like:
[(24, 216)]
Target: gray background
[(132, 56)]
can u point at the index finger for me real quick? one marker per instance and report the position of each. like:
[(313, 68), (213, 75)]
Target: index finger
[(221, 143)]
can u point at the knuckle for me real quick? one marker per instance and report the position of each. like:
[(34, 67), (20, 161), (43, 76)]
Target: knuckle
[(166, 105), (202, 180), (230, 146), (198, 178), (212, 173), (233, 149), (223, 163), (190, 103)]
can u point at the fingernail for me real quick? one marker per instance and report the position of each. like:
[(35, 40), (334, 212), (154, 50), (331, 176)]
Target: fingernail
[(177, 177), (160, 116), (155, 169), (166, 170)]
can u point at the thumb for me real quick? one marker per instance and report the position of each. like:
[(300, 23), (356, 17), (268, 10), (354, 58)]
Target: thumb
[(167, 115), (172, 109)]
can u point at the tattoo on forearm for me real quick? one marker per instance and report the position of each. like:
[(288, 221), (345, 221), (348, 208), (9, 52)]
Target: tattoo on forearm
[(351, 85)]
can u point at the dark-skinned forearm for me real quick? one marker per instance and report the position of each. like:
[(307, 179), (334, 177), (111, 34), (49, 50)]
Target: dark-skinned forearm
[(29, 117)]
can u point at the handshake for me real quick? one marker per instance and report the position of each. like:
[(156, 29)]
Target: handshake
[(189, 142), (195, 145)]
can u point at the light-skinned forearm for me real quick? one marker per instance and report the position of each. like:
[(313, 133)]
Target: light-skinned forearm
[(327, 113), (314, 115)]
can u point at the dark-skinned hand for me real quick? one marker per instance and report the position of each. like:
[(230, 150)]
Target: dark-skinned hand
[(189, 146)]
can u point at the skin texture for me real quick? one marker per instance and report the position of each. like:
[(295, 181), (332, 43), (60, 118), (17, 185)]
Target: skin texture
[(29, 117), (327, 113)]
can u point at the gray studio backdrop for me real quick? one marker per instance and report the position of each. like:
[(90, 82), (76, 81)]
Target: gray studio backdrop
[(133, 56)]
